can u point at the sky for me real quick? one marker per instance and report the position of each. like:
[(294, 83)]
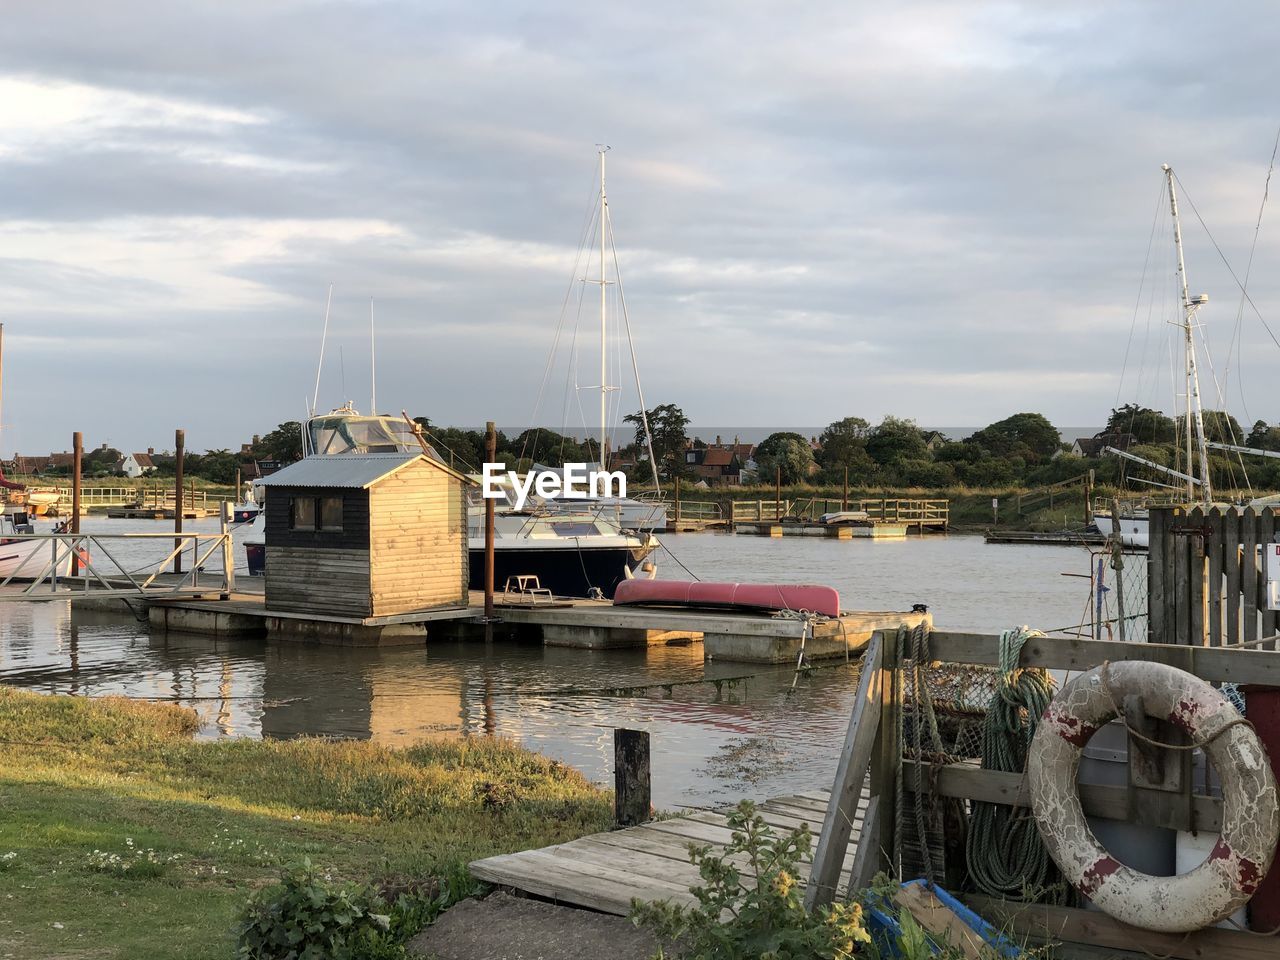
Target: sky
[(949, 211)]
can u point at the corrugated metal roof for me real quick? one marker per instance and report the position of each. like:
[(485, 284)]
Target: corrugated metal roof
[(353, 471)]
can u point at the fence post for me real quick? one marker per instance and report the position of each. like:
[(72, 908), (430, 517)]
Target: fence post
[(77, 464), (631, 777)]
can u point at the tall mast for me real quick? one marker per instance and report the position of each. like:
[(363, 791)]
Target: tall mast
[(373, 365), (1195, 414), (604, 364)]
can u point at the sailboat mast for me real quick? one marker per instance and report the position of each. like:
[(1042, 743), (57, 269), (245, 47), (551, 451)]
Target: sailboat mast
[(604, 365), (1195, 413)]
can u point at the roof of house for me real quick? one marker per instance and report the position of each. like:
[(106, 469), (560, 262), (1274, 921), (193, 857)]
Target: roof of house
[(717, 457), (143, 460), (355, 471)]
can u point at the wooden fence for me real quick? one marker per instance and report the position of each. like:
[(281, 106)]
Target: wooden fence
[(1206, 575), (872, 745)]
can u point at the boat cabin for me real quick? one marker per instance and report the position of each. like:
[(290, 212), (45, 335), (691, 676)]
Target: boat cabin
[(365, 535)]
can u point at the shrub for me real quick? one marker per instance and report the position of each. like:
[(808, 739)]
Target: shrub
[(309, 917), (763, 900)]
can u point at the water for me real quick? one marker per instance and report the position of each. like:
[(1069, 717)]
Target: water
[(719, 731)]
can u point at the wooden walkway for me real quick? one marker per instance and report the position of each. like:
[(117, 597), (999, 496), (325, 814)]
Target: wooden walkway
[(605, 871)]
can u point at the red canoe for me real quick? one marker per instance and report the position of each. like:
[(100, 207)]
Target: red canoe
[(729, 596)]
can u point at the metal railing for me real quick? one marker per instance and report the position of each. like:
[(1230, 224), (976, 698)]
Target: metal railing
[(61, 566)]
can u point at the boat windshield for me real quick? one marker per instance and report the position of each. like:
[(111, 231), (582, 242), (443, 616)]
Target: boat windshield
[(339, 433)]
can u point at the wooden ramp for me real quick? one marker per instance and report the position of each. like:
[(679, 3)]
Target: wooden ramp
[(605, 871)]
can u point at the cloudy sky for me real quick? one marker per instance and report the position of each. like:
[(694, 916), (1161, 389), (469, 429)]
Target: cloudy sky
[(939, 210)]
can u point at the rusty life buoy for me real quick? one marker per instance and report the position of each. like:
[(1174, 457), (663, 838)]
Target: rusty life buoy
[(1250, 814)]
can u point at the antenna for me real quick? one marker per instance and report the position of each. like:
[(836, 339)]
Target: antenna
[(323, 337), (373, 366)]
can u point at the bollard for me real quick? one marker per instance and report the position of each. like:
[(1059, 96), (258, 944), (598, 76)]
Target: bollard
[(631, 782)]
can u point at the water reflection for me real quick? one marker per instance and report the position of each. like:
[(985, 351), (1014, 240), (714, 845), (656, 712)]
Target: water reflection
[(719, 731)]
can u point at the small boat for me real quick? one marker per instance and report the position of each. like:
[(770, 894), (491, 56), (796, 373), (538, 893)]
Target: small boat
[(248, 508), (26, 559), (771, 597)]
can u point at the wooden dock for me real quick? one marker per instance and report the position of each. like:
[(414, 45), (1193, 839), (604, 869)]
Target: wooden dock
[(605, 871)]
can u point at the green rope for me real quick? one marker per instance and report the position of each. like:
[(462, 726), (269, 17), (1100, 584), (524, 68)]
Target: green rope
[(1005, 855)]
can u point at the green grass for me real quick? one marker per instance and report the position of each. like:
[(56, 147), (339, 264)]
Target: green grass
[(221, 818)]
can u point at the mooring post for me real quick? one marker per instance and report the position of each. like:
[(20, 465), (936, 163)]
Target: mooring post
[(77, 463), (677, 499), (631, 782), (777, 492), (235, 497), (491, 455), (226, 517), (179, 442), (844, 497)]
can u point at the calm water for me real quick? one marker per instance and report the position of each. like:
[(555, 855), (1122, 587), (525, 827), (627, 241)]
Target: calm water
[(719, 731)]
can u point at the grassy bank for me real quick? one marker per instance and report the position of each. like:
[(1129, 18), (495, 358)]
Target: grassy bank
[(131, 840)]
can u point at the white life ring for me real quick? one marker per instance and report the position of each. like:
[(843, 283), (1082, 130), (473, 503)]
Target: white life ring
[(1250, 817)]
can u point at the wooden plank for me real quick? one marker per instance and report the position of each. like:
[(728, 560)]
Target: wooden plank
[(941, 921), (1167, 573), (1213, 547), (851, 773), (1222, 665), (968, 781), (1157, 545), (1266, 534), (867, 857), (1249, 574), (557, 880), (1196, 518), (1180, 544), (886, 764), (1231, 576), (1099, 930)]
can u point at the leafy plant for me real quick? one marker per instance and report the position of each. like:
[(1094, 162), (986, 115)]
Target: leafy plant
[(751, 903), (307, 917), (310, 917)]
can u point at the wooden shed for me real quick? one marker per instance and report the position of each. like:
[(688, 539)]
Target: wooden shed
[(366, 535)]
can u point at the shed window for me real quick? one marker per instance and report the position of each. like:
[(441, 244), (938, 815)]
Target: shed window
[(330, 513), (316, 513), (304, 513)]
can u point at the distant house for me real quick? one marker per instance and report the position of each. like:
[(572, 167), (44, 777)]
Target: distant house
[(37, 466), (717, 466), (134, 465), (1095, 446), (933, 439)]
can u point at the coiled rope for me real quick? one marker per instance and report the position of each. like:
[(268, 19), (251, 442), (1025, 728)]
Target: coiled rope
[(1004, 852)]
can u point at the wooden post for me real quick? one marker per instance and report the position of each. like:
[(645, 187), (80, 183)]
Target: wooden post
[(851, 772), (491, 454), (1088, 502), (677, 497), (179, 445), (887, 757), (225, 517), (77, 465), (235, 497), (844, 499), (1117, 563), (777, 503), (631, 780)]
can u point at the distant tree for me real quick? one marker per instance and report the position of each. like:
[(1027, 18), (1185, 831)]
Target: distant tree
[(284, 443), (842, 441), (102, 457), (786, 455), (667, 425), (216, 466), (1029, 435), (1149, 426), (894, 440), (1219, 426), (552, 449), (1263, 436)]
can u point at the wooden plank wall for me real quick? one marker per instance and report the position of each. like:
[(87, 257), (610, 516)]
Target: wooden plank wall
[(329, 581), (417, 541), (1205, 575)]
